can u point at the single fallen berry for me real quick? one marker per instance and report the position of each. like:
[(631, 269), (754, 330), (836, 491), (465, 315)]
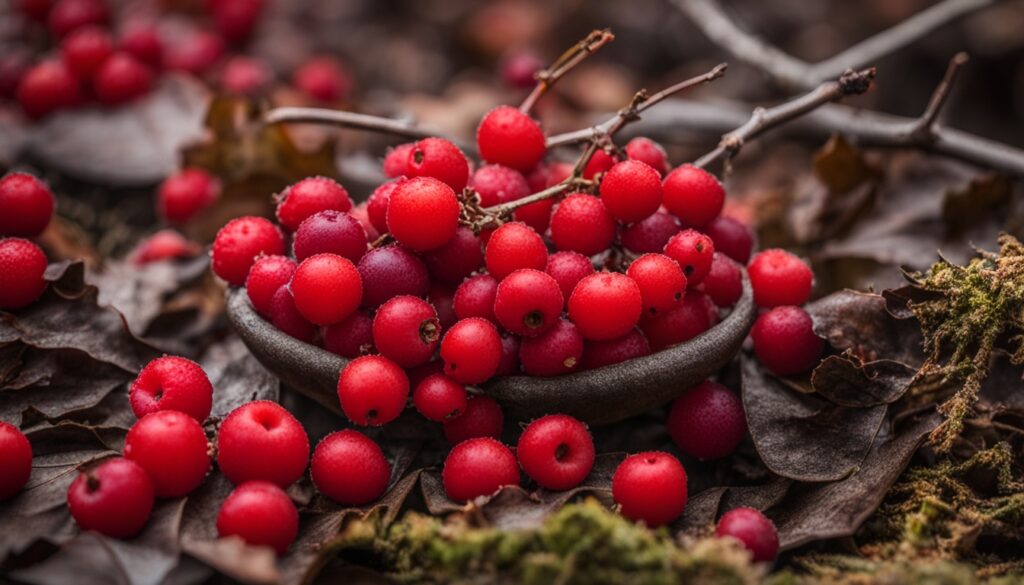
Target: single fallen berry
[(581, 224), (23, 265), (439, 398), (246, 76), (196, 52), (262, 441), (240, 242), (507, 136), (683, 323), (15, 460), (47, 87), (172, 448), (514, 246), (350, 468), (478, 467), (724, 283), (528, 302), (556, 451), (650, 235), (707, 421), (660, 280), (597, 354), (600, 163), (481, 418), (114, 498), (694, 252), (350, 338), (185, 194), (471, 351), (552, 353), (454, 261), (648, 151), (121, 79), (592, 298), (731, 237), (406, 331), (236, 19), (142, 41), (267, 275), (261, 514), (650, 487), (327, 288), (330, 232), (779, 278), (475, 297), (287, 318), (396, 161), (423, 214), (26, 205), (753, 529), (85, 50), (372, 390), (498, 184), (67, 16), (785, 342), (165, 245), (323, 79), (172, 383), (631, 191), (440, 160), (310, 196), (693, 195)]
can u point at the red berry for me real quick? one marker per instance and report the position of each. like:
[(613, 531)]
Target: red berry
[(648, 151), (694, 252), (552, 353), (518, 69), (471, 351), (601, 162), (396, 161), (779, 278), (350, 338), (15, 460), (439, 398), (69, 15), (661, 282), (172, 383), (536, 215), (597, 354), (246, 76), (240, 242), (121, 79), (327, 288), (34, 9), (688, 320), (515, 246), (423, 214), (267, 275), (85, 50), (47, 87), (236, 19), (475, 298), (330, 232), (113, 498), (731, 237), (556, 451), (350, 468), (441, 160), (186, 193), (785, 342), (13, 66), (499, 184), (323, 79), (507, 136), (308, 197), (631, 191), (478, 467), (707, 421), (509, 363), (377, 205), (26, 205), (389, 272), (650, 487), (287, 318), (171, 447), (481, 418), (693, 195), (528, 302), (165, 245), (582, 224), (443, 300), (142, 41), (595, 295), (23, 265), (372, 390), (568, 268), (261, 514), (406, 331), (457, 259), (262, 441), (360, 213), (724, 284), (195, 53), (651, 234), (751, 528), (420, 373)]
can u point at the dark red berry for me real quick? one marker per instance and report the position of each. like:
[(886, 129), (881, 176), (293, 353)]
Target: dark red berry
[(591, 302), (478, 467), (581, 224), (514, 246), (518, 69), (650, 487), (406, 331), (779, 278), (350, 338), (499, 184), (287, 318), (323, 79), (693, 195), (597, 354), (441, 160), (688, 320), (13, 66), (785, 342), (362, 215), (650, 235), (246, 76), (751, 528), (171, 447), (69, 15), (262, 441), (372, 390), (142, 41), (552, 353), (165, 245), (694, 252), (420, 373), (114, 498), (389, 272), (267, 275), (331, 232), (377, 205), (457, 259), (528, 302), (47, 87), (724, 284), (396, 161), (186, 193), (631, 191), (23, 265), (172, 383), (648, 151), (471, 351), (661, 282), (507, 136), (439, 398), (568, 269), (121, 79), (240, 242), (475, 297), (601, 162), (536, 215), (481, 418), (85, 50), (236, 19), (195, 52), (443, 299), (423, 214), (731, 237), (327, 288), (308, 197), (350, 468), (15, 460), (26, 205), (556, 451), (707, 421), (37, 10), (261, 514)]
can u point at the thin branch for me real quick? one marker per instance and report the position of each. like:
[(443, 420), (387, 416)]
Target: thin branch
[(547, 77), (347, 120), (926, 124)]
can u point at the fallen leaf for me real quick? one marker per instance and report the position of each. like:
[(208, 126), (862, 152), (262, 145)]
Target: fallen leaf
[(847, 382)]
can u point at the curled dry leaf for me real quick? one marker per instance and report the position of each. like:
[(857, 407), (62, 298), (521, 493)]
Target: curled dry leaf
[(848, 382)]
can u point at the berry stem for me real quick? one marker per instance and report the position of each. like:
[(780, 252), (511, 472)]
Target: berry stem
[(547, 77), (924, 127), (293, 115)]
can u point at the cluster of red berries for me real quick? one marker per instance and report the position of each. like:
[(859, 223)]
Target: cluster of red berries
[(26, 208)]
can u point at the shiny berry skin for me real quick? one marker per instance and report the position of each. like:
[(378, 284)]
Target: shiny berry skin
[(23, 265), (471, 351), (555, 352), (195, 53), (779, 278), (69, 15), (113, 498), (475, 297), (597, 354), (514, 246), (731, 237), (688, 320), (396, 161), (372, 390), (591, 303), (267, 274), (481, 418), (15, 460), (236, 19), (753, 529), (85, 50), (350, 338), (507, 136), (707, 421), (389, 272), (631, 191), (331, 232), (441, 160), (121, 79), (47, 87), (246, 76), (142, 41), (478, 467), (724, 284), (261, 514), (785, 342), (185, 194), (694, 252), (238, 244), (650, 487), (648, 151), (262, 441), (406, 330), (457, 259), (309, 196), (26, 205), (499, 184), (323, 79), (556, 451), (164, 245), (171, 447), (568, 269), (581, 224), (172, 383), (287, 318), (693, 195), (601, 162), (327, 288), (350, 468), (651, 234), (439, 398), (423, 214), (528, 302), (661, 282)]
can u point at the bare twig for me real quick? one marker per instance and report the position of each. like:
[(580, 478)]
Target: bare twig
[(547, 77), (346, 119), (925, 127)]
